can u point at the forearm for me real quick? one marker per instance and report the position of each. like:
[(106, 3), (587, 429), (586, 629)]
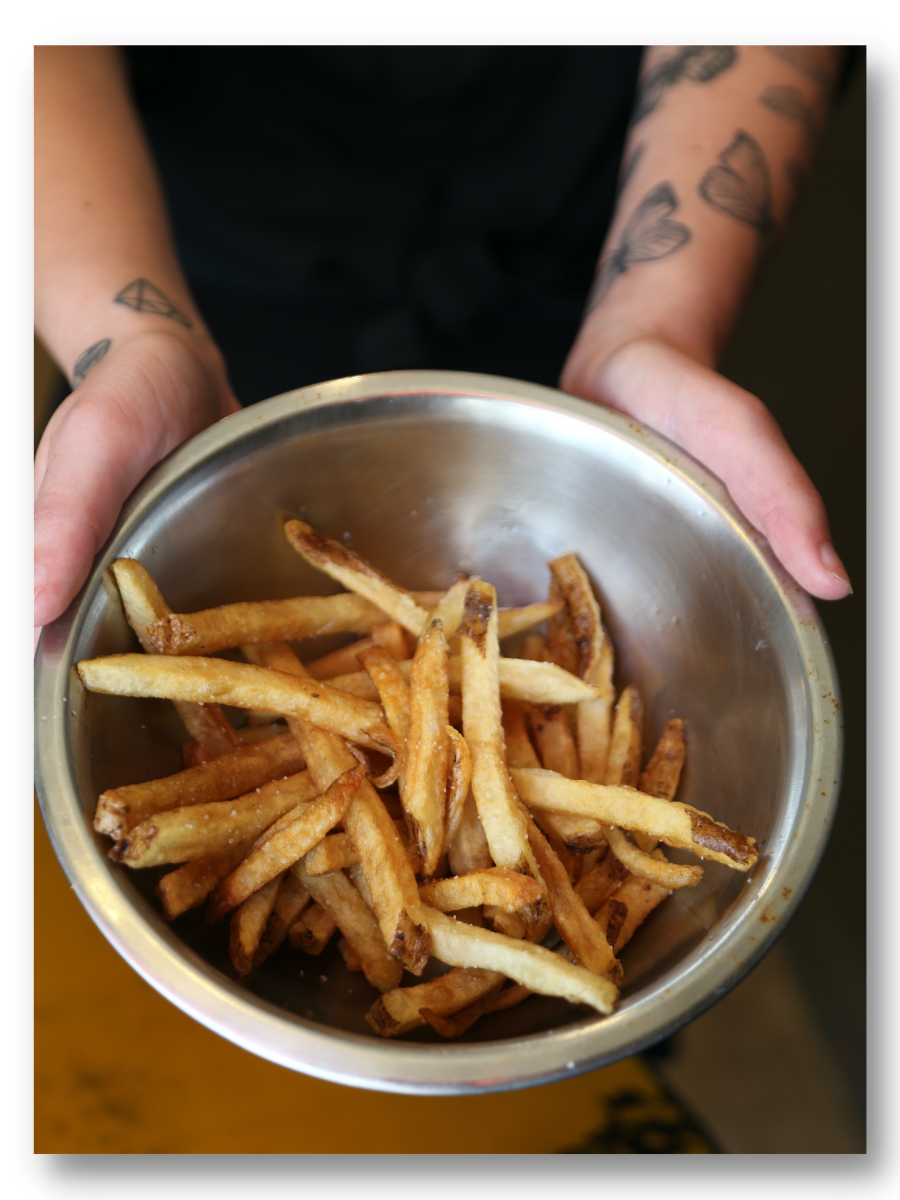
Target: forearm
[(100, 218), (719, 139)]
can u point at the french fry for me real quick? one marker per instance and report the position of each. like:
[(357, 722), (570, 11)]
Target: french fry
[(576, 926), (356, 922), (600, 882), (400, 1010), (247, 925), (313, 930), (349, 955), (519, 750), (638, 897), (244, 686), (672, 822), (560, 646), (290, 900), (251, 735), (661, 775), (646, 866), (355, 574), (392, 690), (497, 918), (469, 850), (462, 945), (232, 774), (613, 916), (282, 849), (337, 852), (144, 604), (458, 1023), (389, 635), (188, 886), (624, 763), (449, 609), (497, 886), (459, 779), (196, 830), (515, 620), (383, 859), (424, 791), (495, 796)]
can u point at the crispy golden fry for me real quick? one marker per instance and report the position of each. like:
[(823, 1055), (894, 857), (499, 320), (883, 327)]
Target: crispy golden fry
[(559, 644), (337, 852), (458, 1023), (349, 955), (514, 620), (519, 750), (385, 865), (262, 621), (462, 945), (624, 764), (424, 791), (232, 774), (188, 886), (459, 779), (400, 1011), (576, 926), (511, 924), (356, 922), (647, 866), (143, 603), (247, 925), (496, 886), (392, 690), (661, 775), (280, 850), (389, 635), (428, 600), (614, 912), (290, 900), (251, 735), (449, 609), (599, 883), (243, 685), (638, 897), (469, 850), (674, 823), (556, 747), (355, 574), (196, 830), (495, 797), (312, 931)]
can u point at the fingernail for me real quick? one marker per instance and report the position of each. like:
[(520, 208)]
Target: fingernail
[(41, 577), (833, 565)]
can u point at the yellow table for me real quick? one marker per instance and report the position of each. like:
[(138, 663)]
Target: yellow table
[(138, 1076)]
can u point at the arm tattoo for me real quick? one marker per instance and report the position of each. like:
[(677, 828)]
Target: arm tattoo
[(89, 359), (142, 296), (805, 60), (648, 235), (700, 63), (788, 102), (740, 186), (628, 167)]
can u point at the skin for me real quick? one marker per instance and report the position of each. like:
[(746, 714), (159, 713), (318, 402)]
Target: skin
[(709, 191)]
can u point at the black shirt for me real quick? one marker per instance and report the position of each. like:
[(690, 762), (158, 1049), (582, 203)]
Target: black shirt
[(339, 210)]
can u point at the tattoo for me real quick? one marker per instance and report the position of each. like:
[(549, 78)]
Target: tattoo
[(628, 167), (142, 296), (788, 102), (89, 359), (805, 60), (699, 63), (740, 185), (648, 235)]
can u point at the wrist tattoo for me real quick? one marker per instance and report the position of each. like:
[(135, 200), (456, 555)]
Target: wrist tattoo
[(699, 63), (648, 235), (740, 185), (788, 102), (805, 60), (89, 359), (143, 296)]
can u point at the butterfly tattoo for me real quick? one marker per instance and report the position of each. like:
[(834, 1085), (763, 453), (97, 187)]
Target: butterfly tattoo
[(740, 185), (648, 235), (699, 63)]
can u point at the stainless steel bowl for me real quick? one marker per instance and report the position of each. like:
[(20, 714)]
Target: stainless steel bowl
[(423, 473)]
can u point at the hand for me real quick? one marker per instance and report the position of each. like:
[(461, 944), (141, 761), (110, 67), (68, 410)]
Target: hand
[(153, 390), (730, 431)]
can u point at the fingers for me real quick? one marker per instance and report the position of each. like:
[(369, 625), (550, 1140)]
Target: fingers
[(120, 422), (734, 435)]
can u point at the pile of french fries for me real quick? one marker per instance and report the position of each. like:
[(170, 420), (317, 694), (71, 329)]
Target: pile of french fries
[(416, 793)]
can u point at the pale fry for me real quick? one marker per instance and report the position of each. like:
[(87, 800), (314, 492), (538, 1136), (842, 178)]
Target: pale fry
[(291, 899), (355, 574), (400, 1011), (672, 822), (424, 791), (356, 922), (469, 850), (232, 774), (247, 925), (459, 779), (647, 866), (576, 926), (509, 890), (389, 635), (449, 609), (514, 620), (661, 775), (313, 930), (556, 746), (196, 830), (624, 765), (336, 852), (244, 686), (462, 945), (495, 796), (189, 885), (519, 750), (285, 847)]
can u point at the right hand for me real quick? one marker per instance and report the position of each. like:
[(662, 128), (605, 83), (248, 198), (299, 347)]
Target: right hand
[(153, 390)]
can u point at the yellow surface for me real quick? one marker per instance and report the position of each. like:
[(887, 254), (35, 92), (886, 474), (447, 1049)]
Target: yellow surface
[(118, 1069)]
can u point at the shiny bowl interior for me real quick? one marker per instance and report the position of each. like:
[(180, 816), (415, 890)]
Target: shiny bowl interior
[(427, 473)]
